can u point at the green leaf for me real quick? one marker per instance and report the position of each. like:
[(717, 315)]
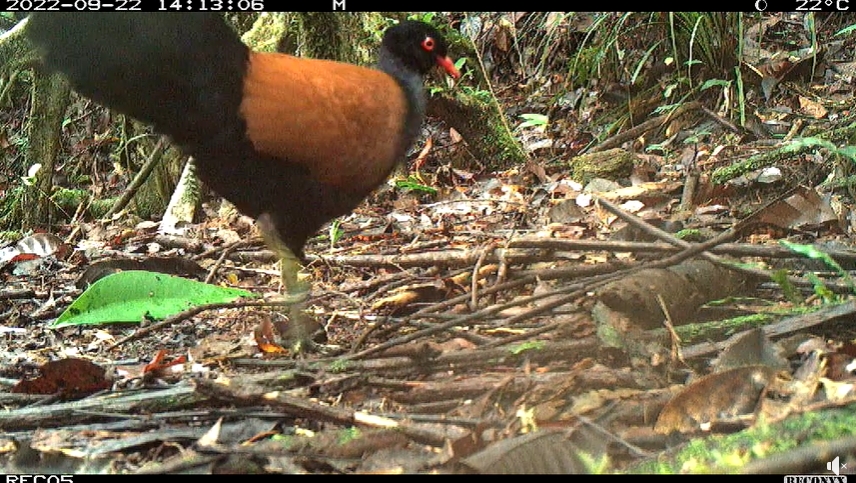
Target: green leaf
[(526, 346), (848, 152), (336, 233), (412, 184), (810, 251), (788, 289), (30, 178), (135, 294), (530, 120), (798, 144), (715, 83), (820, 288), (846, 30)]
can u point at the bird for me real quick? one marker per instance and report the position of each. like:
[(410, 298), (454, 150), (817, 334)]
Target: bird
[(293, 142)]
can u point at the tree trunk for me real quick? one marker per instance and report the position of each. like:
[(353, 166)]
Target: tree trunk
[(333, 36), (50, 100)]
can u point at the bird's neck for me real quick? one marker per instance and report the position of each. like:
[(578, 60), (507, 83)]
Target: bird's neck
[(411, 83)]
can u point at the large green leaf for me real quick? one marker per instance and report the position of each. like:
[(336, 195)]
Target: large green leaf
[(134, 295)]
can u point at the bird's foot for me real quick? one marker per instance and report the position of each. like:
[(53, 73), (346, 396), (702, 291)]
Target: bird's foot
[(300, 330)]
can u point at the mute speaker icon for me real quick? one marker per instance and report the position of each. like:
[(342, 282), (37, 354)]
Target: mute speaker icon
[(833, 466)]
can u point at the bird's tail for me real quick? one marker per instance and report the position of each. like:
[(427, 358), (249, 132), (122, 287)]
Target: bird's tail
[(181, 73)]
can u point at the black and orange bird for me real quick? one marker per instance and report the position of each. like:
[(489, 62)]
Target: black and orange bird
[(290, 141)]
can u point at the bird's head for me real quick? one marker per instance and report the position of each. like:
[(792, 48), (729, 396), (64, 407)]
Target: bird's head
[(418, 46)]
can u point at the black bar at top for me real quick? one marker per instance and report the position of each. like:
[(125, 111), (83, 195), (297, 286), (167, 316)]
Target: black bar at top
[(25, 6)]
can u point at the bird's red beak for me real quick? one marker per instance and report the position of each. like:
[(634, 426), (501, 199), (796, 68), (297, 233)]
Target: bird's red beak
[(449, 66)]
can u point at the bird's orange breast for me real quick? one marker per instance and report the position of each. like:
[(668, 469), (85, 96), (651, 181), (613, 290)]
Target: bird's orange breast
[(341, 121)]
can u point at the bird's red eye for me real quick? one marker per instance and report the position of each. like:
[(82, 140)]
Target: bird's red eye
[(428, 44)]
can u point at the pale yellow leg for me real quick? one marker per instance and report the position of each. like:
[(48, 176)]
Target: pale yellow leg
[(301, 326)]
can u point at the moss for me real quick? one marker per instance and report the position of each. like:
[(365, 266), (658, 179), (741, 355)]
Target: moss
[(480, 123), (611, 164), (729, 453), (99, 208)]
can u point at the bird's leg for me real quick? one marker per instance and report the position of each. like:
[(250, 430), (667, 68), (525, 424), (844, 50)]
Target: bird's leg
[(300, 325), (290, 270)]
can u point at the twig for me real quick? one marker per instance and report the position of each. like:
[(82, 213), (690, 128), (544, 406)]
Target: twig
[(474, 286), (637, 131), (138, 180), (673, 334), (226, 251), (143, 331)]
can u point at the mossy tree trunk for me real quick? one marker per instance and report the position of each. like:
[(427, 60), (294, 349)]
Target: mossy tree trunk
[(481, 124), (50, 100), (333, 35)]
